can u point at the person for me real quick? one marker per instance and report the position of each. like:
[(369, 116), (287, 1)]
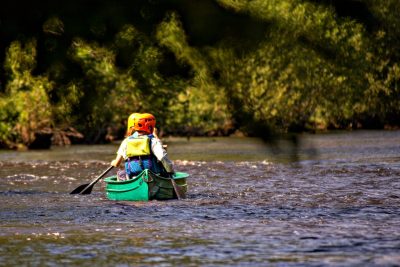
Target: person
[(142, 149)]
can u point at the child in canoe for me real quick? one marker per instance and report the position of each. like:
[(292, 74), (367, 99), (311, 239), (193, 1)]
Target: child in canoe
[(142, 149)]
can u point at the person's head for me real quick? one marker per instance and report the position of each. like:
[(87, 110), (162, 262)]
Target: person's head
[(141, 122), (131, 121)]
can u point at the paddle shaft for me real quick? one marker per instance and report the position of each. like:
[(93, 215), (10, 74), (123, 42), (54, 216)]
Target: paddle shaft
[(178, 194), (87, 188), (96, 180)]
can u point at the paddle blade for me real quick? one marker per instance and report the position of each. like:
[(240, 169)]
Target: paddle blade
[(79, 189), (178, 192), (87, 191)]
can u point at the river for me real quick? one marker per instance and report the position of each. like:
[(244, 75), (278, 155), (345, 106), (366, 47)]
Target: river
[(328, 199)]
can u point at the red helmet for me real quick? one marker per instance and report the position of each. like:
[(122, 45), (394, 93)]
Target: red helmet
[(144, 122)]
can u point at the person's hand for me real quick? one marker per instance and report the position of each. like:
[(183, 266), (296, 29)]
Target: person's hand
[(155, 133), (114, 163)]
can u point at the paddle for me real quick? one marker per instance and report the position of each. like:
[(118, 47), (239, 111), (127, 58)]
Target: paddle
[(86, 189), (171, 176), (176, 189)]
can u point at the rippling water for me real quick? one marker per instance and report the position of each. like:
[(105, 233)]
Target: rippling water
[(329, 199)]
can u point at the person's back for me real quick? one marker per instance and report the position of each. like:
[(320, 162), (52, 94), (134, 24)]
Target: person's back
[(142, 149)]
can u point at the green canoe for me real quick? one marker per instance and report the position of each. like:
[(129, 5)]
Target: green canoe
[(146, 186)]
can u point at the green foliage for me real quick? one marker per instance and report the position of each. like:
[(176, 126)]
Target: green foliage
[(201, 105), (109, 92), (304, 65), (314, 70), (8, 117), (26, 100)]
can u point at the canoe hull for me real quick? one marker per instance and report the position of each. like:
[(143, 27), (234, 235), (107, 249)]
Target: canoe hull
[(146, 186)]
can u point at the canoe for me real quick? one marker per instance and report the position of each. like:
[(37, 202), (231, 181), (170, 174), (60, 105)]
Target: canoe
[(146, 186)]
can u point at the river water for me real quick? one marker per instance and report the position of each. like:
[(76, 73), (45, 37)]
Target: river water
[(329, 199)]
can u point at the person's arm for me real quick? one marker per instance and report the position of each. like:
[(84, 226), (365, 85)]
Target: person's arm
[(155, 133), (161, 154), (167, 164), (121, 151)]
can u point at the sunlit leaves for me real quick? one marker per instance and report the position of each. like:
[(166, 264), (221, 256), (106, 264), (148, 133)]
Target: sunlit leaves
[(170, 33), (20, 59), (309, 67), (110, 88), (315, 69), (201, 105), (53, 26), (27, 95)]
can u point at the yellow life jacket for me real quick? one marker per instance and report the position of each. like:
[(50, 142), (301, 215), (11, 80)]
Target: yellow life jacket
[(138, 146)]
